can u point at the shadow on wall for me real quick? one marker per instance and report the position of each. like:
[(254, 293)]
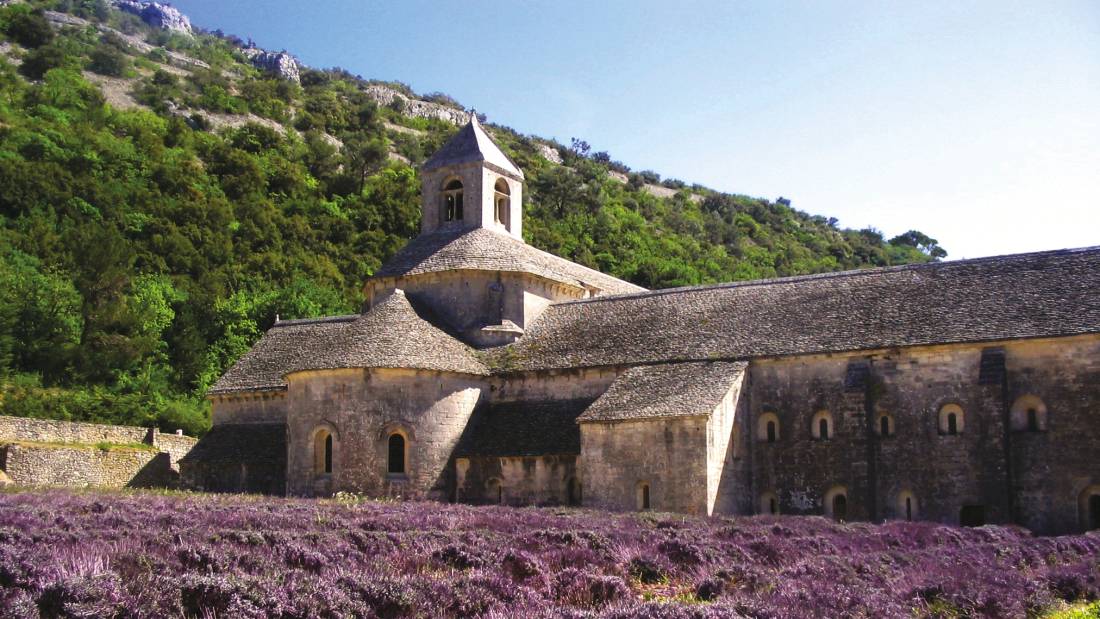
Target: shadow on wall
[(157, 473)]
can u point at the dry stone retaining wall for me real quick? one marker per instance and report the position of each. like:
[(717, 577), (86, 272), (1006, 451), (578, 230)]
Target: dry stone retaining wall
[(44, 452)]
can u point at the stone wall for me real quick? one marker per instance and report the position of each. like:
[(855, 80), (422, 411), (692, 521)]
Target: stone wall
[(470, 300), (248, 407), (361, 409), (43, 452), (670, 455), (1051, 468), (52, 431), (997, 474), (78, 466), (526, 480)]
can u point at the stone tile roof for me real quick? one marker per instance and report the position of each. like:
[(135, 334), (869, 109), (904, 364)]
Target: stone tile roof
[(391, 335), (262, 367), (471, 143), (666, 390), (488, 250), (1006, 297), (524, 428)]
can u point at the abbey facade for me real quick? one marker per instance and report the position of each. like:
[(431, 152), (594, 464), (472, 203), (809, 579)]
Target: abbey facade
[(484, 370)]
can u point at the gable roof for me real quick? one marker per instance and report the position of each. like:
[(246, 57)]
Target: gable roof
[(1006, 297), (471, 143), (524, 428), (666, 390), (483, 249)]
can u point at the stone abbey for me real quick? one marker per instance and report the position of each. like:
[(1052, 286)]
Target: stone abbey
[(484, 370)]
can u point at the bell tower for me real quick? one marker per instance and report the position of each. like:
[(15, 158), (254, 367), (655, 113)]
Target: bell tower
[(471, 183)]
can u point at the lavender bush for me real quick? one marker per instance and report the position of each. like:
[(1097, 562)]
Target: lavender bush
[(93, 554)]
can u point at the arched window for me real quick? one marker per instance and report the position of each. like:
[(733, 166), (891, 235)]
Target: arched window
[(502, 202), (396, 458), (573, 491), (322, 452), (885, 425), (1089, 505), (822, 426), (767, 428), (494, 490), (836, 503), (452, 200), (907, 506), (769, 503), (1028, 414), (643, 495), (952, 421)]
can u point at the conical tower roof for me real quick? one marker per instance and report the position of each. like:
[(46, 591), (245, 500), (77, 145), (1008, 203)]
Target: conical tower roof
[(470, 144), (391, 335)]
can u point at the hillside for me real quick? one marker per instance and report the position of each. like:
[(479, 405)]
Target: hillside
[(165, 193)]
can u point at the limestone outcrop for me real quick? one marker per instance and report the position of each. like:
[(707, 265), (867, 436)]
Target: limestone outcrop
[(281, 64), (163, 16), (386, 96)]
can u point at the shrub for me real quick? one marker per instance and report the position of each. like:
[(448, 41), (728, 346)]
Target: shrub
[(30, 29), (108, 59)]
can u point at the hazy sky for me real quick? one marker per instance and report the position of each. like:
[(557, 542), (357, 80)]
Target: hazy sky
[(977, 123)]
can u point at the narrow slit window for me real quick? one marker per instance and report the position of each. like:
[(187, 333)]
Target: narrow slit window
[(396, 454), (1032, 420), (328, 453), (771, 431)]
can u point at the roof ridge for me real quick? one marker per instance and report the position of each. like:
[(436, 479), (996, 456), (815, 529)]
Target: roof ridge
[(790, 279)]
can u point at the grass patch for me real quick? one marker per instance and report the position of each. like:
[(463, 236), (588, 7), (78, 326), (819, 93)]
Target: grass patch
[(102, 445)]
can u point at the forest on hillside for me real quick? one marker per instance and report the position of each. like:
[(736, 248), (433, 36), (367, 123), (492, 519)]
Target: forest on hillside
[(154, 218)]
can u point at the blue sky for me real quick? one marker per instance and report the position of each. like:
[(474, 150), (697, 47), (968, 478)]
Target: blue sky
[(977, 123)]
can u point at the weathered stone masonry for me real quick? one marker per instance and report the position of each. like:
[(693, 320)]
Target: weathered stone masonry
[(39, 452), (486, 371)]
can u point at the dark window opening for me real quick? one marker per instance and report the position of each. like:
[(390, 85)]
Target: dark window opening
[(1032, 420), (1094, 512), (771, 431), (884, 425), (574, 491), (645, 496), (952, 424), (909, 509), (328, 453), (823, 429), (773, 506), (452, 201), (972, 515), (500, 494), (840, 507), (397, 454)]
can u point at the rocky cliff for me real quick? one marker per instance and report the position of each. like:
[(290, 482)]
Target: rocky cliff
[(158, 15)]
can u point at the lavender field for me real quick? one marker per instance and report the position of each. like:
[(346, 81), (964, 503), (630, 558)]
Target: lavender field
[(90, 554)]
